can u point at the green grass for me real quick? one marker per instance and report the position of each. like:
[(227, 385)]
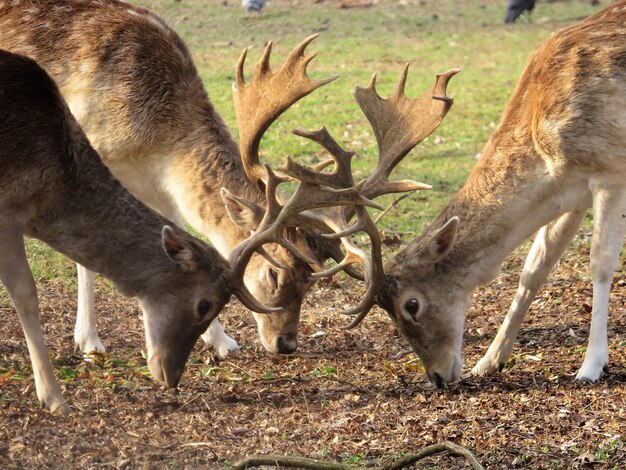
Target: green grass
[(431, 35)]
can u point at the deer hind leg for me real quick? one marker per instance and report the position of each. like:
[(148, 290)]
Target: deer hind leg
[(85, 333), (16, 276), (549, 245), (609, 228)]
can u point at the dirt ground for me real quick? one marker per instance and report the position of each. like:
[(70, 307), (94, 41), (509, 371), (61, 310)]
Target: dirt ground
[(346, 395)]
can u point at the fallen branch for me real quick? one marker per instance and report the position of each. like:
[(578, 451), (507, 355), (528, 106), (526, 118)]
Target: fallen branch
[(403, 462), (435, 449)]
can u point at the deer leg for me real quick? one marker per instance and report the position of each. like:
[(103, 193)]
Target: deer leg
[(85, 333), (15, 274), (549, 245), (609, 228), (217, 338)]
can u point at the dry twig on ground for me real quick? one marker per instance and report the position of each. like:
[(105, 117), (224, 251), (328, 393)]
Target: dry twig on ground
[(403, 462)]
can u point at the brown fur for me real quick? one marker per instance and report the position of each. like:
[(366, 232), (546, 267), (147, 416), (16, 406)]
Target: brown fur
[(562, 134), (133, 87), (54, 187)]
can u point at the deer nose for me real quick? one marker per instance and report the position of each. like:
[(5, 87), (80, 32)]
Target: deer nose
[(287, 344), (438, 381), (166, 373)]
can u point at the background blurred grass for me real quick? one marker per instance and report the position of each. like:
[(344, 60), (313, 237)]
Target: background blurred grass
[(431, 35)]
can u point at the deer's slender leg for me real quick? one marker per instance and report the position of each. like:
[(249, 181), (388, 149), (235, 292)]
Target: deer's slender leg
[(219, 340), (548, 247), (609, 228), (15, 274), (85, 333)]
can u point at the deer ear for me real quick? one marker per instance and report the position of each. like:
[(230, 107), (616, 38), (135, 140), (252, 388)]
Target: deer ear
[(179, 250), (442, 240), (242, 212)]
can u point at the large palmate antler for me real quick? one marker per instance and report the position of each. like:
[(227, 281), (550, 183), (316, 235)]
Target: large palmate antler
[(399, 123), (259, 103)]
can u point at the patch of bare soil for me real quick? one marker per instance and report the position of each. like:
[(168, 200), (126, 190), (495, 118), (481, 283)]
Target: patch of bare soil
[(346, 395)]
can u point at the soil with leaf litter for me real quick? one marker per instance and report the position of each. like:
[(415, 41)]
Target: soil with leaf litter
[(350, 396)]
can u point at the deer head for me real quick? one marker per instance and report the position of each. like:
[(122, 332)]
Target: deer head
[(276, 277)]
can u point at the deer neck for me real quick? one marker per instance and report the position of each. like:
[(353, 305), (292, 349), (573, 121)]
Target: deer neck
[(507, 198), (194, 181)]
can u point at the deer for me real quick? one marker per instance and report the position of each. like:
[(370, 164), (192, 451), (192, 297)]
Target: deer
[(55, 188), (131, 83), (558, 150)]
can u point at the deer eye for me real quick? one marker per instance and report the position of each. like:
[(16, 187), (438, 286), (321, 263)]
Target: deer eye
[(204, 307), (412, 306), (273, 277)]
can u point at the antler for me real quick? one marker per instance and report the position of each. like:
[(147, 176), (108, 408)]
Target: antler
[(310, 194), (341, 177), (400, 123), (259, 103)]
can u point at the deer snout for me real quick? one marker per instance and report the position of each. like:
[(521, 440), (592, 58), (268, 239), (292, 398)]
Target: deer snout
[(441, 375), (165, 372), (287, 343)]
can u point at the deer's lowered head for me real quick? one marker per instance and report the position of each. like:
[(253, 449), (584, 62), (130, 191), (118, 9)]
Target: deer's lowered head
[(426, 308), (178, 309)]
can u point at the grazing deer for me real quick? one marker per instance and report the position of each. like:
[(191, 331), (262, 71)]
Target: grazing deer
[(559, 149), (54, 187), (131, 83)]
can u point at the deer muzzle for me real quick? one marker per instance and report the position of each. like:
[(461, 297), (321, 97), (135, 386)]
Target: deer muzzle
[(164, 371)]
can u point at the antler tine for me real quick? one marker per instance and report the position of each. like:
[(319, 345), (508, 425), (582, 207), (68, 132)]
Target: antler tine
[(399, 124), (259, 103), (341, 177), (263, 65), (239, 79), (399, 89), (271, 229)]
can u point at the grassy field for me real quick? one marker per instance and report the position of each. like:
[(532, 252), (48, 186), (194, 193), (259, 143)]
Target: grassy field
[(431, 35), (349, 396)]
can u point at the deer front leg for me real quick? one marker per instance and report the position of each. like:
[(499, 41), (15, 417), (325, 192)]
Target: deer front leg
[(609, 228), (85, 333), (216, 337), (549, 245), (17, 278)]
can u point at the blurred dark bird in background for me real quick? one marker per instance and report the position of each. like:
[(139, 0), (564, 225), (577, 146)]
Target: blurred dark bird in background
[(252, 5), (515, 8)]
